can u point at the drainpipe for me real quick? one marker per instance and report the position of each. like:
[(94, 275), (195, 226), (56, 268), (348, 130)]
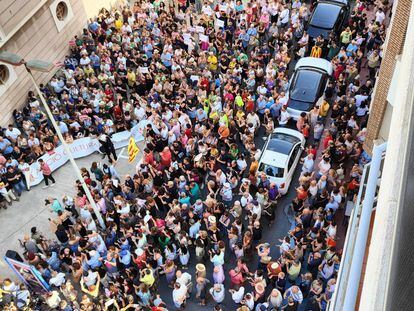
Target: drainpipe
[(363, 229)]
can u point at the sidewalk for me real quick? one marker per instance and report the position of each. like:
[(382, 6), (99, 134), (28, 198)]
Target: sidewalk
[(31, 211)]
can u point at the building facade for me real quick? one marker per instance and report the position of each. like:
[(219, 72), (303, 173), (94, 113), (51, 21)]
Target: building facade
[(384, 282), (383, 98), (38, 29)]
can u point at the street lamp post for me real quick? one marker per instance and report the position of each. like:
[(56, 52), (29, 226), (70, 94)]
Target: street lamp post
[(43, 66)]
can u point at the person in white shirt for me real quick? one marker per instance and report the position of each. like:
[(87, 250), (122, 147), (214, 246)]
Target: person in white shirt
[(285, 246), (253, 118), (218, 293), (12, 133), (139, 112), (58, 278), (284, 117), (284, 17), (379, 16), (53, 299), (249, 301), (359, 98), (246, 199), (206, 9), (85, 60), (25, 169), (324, 166), (179, 295), (184, 279), (237, 295), (308, 163), (296, 4)]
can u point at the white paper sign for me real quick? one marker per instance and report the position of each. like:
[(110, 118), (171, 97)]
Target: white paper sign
[(223, 8), (83, 147), (203, 38), (199, 29), (186, 36), (194, 78), (219, 23), (143, 69)]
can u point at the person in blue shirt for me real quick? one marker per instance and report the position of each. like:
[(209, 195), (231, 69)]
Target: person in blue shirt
[(239, 6), (194, 192), (125, 258), (148, 48), (166, 59), (351, 49), (5, 146), (96, 61), (184, 199), (62, 126), (93, 27), (252, 31), (270, 102), (93, 262), (54, 261), (261, 105), (245, 38), (201, 115), (275, 110)]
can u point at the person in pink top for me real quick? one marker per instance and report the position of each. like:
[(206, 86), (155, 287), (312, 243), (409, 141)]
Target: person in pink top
[(47, 174)]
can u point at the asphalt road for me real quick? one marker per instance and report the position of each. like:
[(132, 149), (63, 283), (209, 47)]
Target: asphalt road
[(271, 235)]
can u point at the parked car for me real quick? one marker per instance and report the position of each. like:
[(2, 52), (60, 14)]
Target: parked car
[(328, 16), (281, 154), (307, 85)]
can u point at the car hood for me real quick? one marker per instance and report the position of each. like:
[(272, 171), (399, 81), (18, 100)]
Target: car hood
[(315, 32)]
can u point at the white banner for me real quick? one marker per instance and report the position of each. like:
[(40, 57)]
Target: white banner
[(81, 148)]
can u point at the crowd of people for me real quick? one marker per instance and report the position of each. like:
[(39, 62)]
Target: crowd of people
[(211, 78)]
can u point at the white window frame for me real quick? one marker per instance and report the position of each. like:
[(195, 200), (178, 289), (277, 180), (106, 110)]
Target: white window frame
[(61, 24), (12, 78)]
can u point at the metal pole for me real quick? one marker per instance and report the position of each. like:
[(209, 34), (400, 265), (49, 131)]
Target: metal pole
[(68, 152), (348, 249), (363, 229)]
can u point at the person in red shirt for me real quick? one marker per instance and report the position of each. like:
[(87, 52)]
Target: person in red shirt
[(165, 157), (117, 112), (47, 174), (249, 105), (188, 131), (205, 84), (327, 139), (312, 150), (148, 157), (306, 130), (109, 93)]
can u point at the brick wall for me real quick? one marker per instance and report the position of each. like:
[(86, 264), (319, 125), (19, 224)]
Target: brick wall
[(393, 47)]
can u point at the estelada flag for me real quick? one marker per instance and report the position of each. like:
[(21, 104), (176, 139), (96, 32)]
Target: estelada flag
[(132, 150)]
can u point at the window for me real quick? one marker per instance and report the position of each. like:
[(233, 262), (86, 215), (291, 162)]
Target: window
[(281, 142), (271, 170), (61, 12), (7, 77), (4, 74), (293, 156)]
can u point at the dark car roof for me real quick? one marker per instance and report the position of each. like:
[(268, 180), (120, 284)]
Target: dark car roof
[(305, 85), (325, 15), (282, 143)]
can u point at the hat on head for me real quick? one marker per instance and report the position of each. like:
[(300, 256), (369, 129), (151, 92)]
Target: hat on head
[(212, 219)]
